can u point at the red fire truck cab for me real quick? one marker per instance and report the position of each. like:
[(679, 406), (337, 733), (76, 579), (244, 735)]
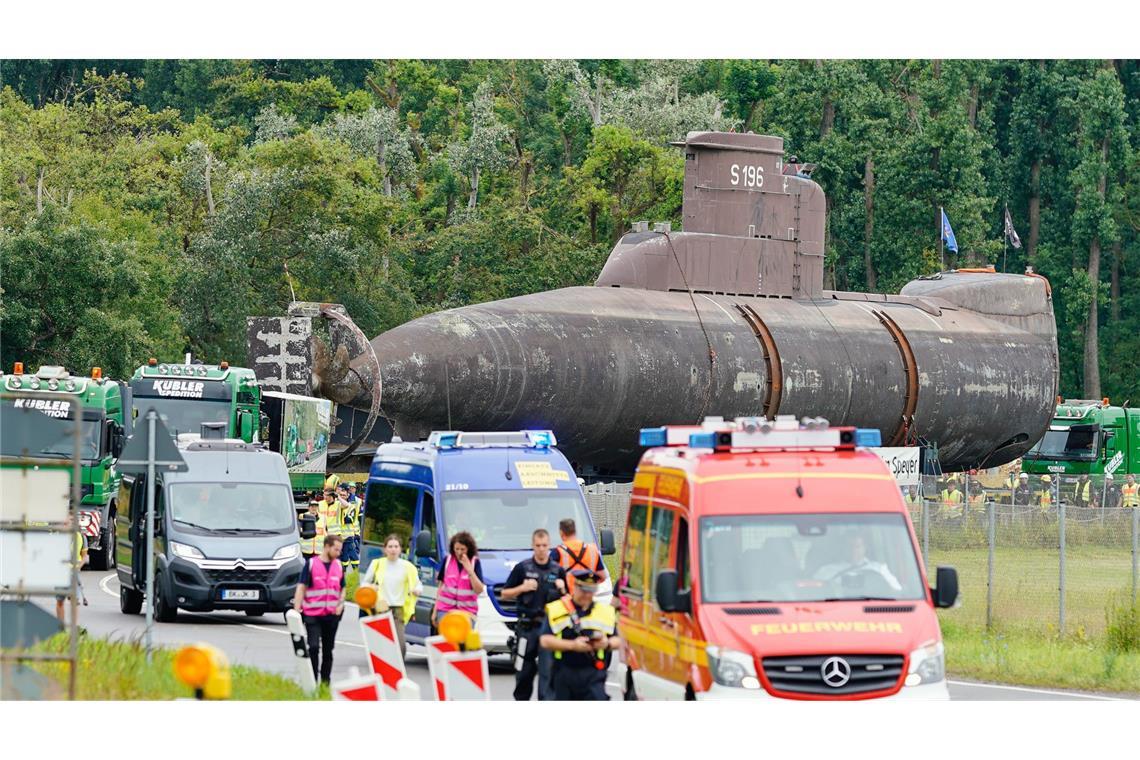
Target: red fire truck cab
[(774, 558)]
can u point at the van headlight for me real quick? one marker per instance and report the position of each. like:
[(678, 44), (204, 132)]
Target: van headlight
[(289, 551), (927, 664), (185, 551), (732, 668)]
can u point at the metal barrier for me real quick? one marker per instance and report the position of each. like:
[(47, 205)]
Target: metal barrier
[(1044, 557), (609, 505)]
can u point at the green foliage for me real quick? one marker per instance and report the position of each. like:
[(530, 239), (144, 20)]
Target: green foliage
[(219, 189), (1123, 628)]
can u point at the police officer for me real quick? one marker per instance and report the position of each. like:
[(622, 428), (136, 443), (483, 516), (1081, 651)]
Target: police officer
[(350, 527), (581, 633), (535, 582)]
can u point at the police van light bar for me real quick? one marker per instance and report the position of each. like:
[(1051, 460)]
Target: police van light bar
[(454, 439)]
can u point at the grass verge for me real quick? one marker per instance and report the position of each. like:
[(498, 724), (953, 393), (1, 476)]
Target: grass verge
[(1033, 660), (119, 670)]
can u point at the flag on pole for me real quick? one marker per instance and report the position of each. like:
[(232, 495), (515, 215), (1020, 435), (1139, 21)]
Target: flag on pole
[(1010, 233), (948, 233)]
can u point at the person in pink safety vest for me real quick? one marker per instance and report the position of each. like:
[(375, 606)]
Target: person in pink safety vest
[(460, 578), (320, 598)]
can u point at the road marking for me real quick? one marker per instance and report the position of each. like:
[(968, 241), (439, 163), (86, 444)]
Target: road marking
[(1069, 694), (108, 578)]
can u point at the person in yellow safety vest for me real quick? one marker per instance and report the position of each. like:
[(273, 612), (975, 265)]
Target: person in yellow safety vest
[(329, 508), (1082, 494), (80, 560), (951, 499), (350, 528), (1130, 492), (311, 547), (911, 497), (1045, 496), (581, 633)]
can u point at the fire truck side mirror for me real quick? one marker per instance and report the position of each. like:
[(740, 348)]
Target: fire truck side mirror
[(669, 598), (607, 539), (946, 592)]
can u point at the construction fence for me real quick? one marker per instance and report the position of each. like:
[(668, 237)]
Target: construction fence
[(609, 505), (1050, 555)]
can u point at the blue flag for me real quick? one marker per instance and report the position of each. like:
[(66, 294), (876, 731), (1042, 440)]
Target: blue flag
[(948, 233)]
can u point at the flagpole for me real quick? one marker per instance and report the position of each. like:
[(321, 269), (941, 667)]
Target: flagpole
[(941, 242)]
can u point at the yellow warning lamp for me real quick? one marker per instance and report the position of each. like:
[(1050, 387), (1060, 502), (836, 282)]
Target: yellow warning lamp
[(152, 362), (18, 368), (205, 669), (366, 597), (473, 641), (224, 365), (1104, 401), (96, 373), (455, 627)]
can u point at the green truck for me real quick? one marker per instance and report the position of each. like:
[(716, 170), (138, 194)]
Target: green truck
[(106, 426), (188, 395), (1090, 437)]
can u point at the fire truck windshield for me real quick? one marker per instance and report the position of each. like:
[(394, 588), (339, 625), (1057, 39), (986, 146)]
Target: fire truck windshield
[(808, 558)]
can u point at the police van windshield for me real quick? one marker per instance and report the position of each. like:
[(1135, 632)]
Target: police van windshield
[(506, 519), (183, 415), (808, 558), (1074, 442), (232, 507)]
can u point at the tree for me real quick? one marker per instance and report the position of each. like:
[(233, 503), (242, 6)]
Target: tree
[(483, 149), (377, 134)]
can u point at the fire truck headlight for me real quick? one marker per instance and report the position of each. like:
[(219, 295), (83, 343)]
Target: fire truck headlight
[(732, 668), (927, 664)]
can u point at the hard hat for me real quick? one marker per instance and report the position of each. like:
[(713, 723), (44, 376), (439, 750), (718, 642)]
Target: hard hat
[(1046, 479), (1108, 476), (1024, 476)]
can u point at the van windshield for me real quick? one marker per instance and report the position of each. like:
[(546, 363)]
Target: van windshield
[(808, 558), (232, 507), (506, 519)]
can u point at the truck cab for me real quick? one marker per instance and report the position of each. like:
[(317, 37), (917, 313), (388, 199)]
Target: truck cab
[(188, 395), (499, 486), (1087, 437), (225, 533), (106, 426), (769, 558)]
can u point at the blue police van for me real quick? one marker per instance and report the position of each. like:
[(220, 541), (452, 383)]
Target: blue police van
[(498, 486)]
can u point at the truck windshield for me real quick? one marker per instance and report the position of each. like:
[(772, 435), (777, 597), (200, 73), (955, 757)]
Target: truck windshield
[(1073, 442), (506, 519), (232, 507), (31, 431), (183, 415), (808, 558)]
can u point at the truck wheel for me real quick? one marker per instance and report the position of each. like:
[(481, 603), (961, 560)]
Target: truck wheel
[(164, 612), (130, 601), (104, 557)]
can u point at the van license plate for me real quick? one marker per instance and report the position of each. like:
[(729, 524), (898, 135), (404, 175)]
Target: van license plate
[(240, 594)]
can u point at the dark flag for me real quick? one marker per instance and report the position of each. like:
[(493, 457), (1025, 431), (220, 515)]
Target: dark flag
[(1010, 233)]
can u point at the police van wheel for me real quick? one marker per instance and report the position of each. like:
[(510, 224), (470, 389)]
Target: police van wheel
[(630, 693), (130, 601)]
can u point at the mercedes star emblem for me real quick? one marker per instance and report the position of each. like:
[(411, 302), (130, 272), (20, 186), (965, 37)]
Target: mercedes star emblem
[(836, 672)]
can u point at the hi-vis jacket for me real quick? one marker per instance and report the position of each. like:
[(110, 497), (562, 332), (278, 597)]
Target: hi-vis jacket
[(379, 569), (562, 614)]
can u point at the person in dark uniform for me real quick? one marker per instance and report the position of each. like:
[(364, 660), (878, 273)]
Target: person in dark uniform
[(535, 582), (581, 634)]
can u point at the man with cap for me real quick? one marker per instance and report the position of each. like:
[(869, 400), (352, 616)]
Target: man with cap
[(581, 634), (1110, 498), (1022, 494)]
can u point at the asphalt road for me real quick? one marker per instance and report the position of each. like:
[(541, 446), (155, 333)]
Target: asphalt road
[(264, 642)]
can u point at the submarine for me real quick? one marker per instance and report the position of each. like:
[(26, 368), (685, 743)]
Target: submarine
[(729, 317)]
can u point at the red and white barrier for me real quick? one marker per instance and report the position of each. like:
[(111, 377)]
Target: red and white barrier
[(437, 647), (465, 676), (358, 688), (383, 647)]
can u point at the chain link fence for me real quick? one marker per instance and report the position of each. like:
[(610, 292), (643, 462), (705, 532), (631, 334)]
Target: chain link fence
[(609, 504), (1048, 554)]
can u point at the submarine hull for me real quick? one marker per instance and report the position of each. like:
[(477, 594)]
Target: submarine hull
[(595, 364)]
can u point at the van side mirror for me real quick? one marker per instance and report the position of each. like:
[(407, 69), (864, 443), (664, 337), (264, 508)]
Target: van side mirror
[(946, 592), (669, 599), (607, 539), (423, 544), (308, 525)]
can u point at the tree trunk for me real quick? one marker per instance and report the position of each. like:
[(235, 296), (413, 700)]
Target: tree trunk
[(524, 179), (473, 197), (972, 107), (1115, 281), (593, 225), (869, 223), (1034, 211), (209, 190), (40, 191), (1092, 338), (382, 164), (566, 150), (828, 119), (450, 207)]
